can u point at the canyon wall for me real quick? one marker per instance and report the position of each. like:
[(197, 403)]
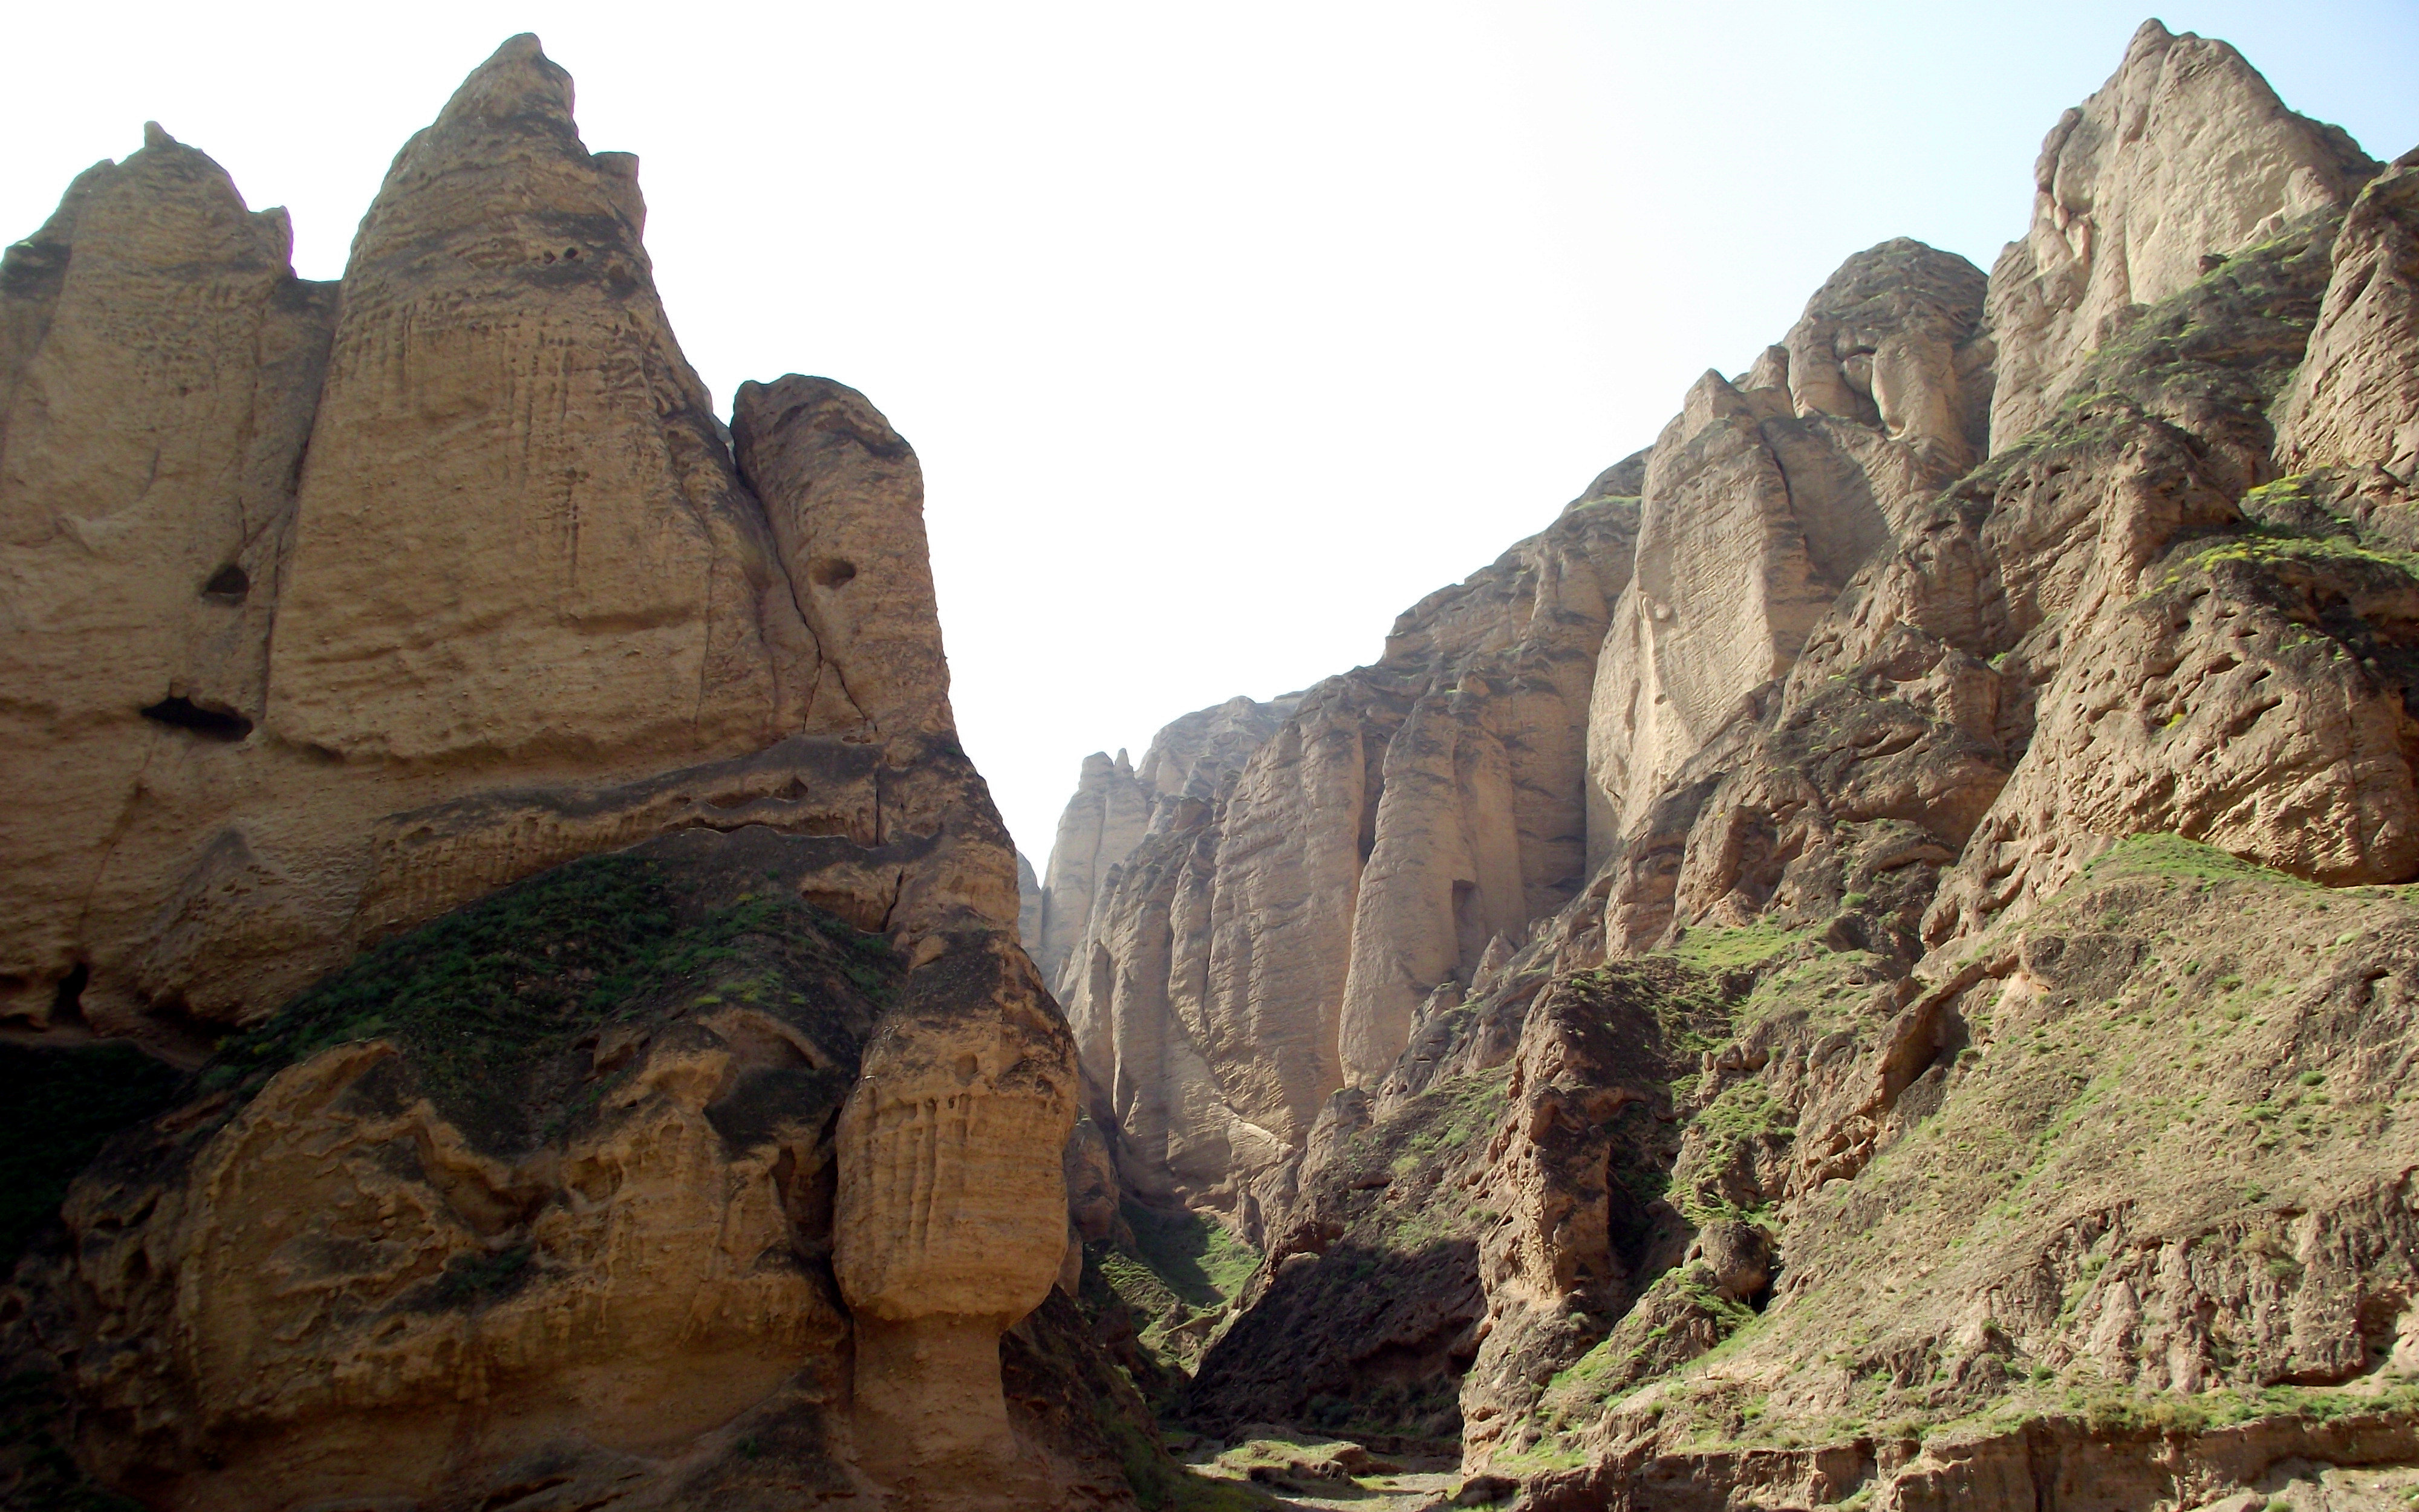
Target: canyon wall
[(1957, 1063), (534, 809), (1276, 891)]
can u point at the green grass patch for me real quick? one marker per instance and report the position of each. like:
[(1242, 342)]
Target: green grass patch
[(480, 999), (2166, 855), (1194, 1258), (1724, 950)]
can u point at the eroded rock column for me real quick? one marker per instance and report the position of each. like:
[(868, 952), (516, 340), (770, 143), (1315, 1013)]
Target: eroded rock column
[(951, 1218)]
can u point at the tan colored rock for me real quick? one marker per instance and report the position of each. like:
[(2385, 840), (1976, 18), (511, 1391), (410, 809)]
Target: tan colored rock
[(846, 501), (1091, 1183), (1891, 340), (1317, 869), (1289, 855), (951, 1216), (2210, 708), (299, 1220), (1137, 1000), (2186, 153), (501, 398), (1722, 597), (1190, 758), (163, 367), (1763, 503), (1100, 826), (499, 323), (333, 1287), (1442, 879), (2356, 399), (406, 1266), (1587, 1096), (1028, 905)]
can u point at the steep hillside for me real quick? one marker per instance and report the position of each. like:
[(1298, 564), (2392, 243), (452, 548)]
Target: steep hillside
[(1962, 1069)]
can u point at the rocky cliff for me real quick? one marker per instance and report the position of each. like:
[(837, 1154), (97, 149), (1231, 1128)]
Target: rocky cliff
[(1274, 896), (530, 810), (1865, 966)]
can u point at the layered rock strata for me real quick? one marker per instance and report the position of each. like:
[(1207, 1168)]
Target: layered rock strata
[(688, 1126), (280, 636), (1311, 871), (1965, 1073)]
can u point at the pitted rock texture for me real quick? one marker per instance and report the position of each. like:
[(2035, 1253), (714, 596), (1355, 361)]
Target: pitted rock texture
[(508, 465), (580, 1184), (710, 1170), (845, 499), (2357, 401), (162, 369), (951, 1221), (2185, 154)]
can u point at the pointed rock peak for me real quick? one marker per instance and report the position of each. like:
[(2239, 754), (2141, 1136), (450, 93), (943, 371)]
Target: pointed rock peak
[(2150, 37), (169, 205), (519, 79)]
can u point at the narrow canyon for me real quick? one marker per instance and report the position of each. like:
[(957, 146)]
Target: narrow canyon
[(1870, 964)]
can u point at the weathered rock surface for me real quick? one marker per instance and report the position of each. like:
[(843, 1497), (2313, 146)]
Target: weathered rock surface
[(505, 414), (2357, 402), (622, 552), (162, 370), (1961, 1070), (1102, 824), (692, 1135), (1761, 502), (1311, 871), (659, 1181), (2185, 154), (846, 501)]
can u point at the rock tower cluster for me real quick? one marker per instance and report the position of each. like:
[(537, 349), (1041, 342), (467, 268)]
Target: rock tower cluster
[(1863, 964), (707, 1171)]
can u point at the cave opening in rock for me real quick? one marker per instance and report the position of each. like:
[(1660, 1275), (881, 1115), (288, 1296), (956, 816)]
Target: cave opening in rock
[(180, 713), (230, 583), (67, 1002)]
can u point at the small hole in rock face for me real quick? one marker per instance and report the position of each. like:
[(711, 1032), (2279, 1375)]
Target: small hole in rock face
[(209, 723), (571, 252), (67, 1004), (832, 572), (229, 584)]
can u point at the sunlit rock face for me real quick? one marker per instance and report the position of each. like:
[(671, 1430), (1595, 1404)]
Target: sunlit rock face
[(1958, 1068), (2185, 154), (2355, 403), (1309, 872), (481, 454), (691, 1130)]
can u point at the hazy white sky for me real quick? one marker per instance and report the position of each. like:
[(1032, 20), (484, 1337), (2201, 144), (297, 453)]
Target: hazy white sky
[(1225, 331)]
